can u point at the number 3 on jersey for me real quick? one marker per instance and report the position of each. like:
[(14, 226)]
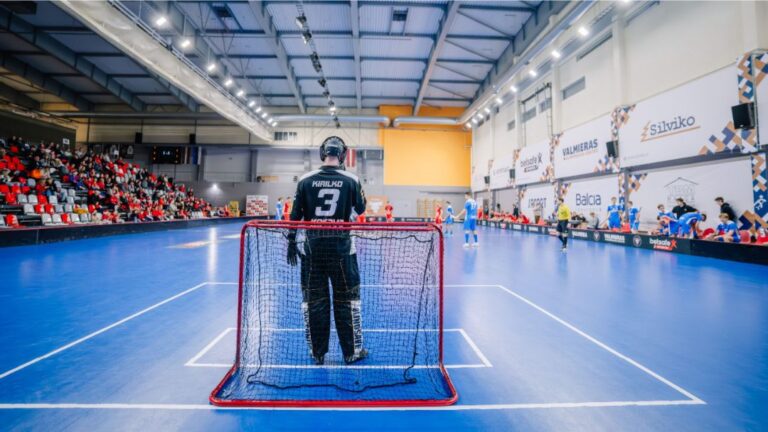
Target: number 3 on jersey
[(331, 197)]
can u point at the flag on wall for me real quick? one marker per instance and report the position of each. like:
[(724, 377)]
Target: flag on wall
[(351, 158)]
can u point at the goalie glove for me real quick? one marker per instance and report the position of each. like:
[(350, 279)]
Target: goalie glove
[(293, 251)]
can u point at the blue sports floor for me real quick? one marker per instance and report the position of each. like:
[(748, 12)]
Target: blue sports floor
[(133, 332)]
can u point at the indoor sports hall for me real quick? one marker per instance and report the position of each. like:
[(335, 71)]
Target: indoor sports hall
[(383, 215)]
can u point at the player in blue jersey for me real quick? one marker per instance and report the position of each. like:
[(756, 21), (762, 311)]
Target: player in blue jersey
[(448, 219), (667, 222), (726, 231), (279, 209), (633, 215), (470, 219), (614, 214), (688, 222)]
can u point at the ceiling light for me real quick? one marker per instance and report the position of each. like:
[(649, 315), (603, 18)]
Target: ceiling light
[(228, 82), (487, 110), (186, 42), (583, 31), (240, 93), (211, 67), (513, 89), (301, 20), (161, 20), (468, 125), (533, 73), (258, 110), (269, 120), (556, 54), (479, 116), (474, 120), (251, 103), (499, 100), (332, 108), (264, 114)]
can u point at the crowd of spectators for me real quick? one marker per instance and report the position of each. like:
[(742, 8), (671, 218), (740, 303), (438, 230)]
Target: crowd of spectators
[(49, 183), (682, 221)]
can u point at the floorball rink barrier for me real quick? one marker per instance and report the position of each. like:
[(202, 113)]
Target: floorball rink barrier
[(356, 319)]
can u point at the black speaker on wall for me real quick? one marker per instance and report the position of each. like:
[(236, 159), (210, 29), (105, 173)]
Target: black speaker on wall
[(138, 138), (512, 173), (613, 149), (487, 179), (192, 139), (743, 115)]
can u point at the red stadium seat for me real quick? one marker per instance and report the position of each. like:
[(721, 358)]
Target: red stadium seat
[(42, 199), (745, 236), (49, 209), (11, 221), (39, 208), (706, 233), (4, 189), (65, 218), (10, 198)]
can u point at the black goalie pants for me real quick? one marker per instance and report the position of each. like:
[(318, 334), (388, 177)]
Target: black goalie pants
[(330, 260)]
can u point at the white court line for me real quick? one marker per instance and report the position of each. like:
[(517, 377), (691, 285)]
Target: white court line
[(693, 400), (477, 407), (581, 333), (474, 347), (193, 362), (198, 356), (100, 331)]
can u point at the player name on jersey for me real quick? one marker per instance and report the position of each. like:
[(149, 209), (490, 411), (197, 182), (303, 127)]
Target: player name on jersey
[(327, 183)]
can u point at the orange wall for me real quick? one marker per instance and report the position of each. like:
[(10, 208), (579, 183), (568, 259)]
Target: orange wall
[(424, 155)]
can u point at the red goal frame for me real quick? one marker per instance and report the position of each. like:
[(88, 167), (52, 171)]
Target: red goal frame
[(339, 226)]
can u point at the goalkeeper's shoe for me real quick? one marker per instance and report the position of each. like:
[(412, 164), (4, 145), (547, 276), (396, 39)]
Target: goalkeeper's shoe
[(356, 358), (319, 360)]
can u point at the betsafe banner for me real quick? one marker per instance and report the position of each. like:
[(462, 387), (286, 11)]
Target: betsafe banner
[(533, 164), (690, 120), (582, 149)]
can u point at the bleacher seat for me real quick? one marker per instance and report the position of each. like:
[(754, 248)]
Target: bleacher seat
[(31, 182), (69, 208), (5, 189), (21, 199), (32, 199), (47, 220), (56, 219), (58, 208), (74, 218), (70, 200), (744, 236), (71, 192), (53, 200), (65, 218), (85, 218), (29, 209), (2, 223), (48, 208), (11, 221), (39, 208), (42, 199), (10, 198), (57, 184)]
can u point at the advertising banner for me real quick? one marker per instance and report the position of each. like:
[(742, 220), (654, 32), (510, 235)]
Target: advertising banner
[(256, 205), (593, 195), (500, 169), (687, 121), (537, 201), (698, 185), (533, 164), (582, 149)]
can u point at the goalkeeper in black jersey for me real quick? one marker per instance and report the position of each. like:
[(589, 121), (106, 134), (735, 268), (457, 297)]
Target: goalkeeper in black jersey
[(329, 194)]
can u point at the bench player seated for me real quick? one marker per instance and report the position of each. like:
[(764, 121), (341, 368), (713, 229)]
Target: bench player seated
[(726, 231), (329, 194)]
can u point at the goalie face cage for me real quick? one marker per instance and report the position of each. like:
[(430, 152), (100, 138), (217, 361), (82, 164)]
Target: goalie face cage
[(377, 285)]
